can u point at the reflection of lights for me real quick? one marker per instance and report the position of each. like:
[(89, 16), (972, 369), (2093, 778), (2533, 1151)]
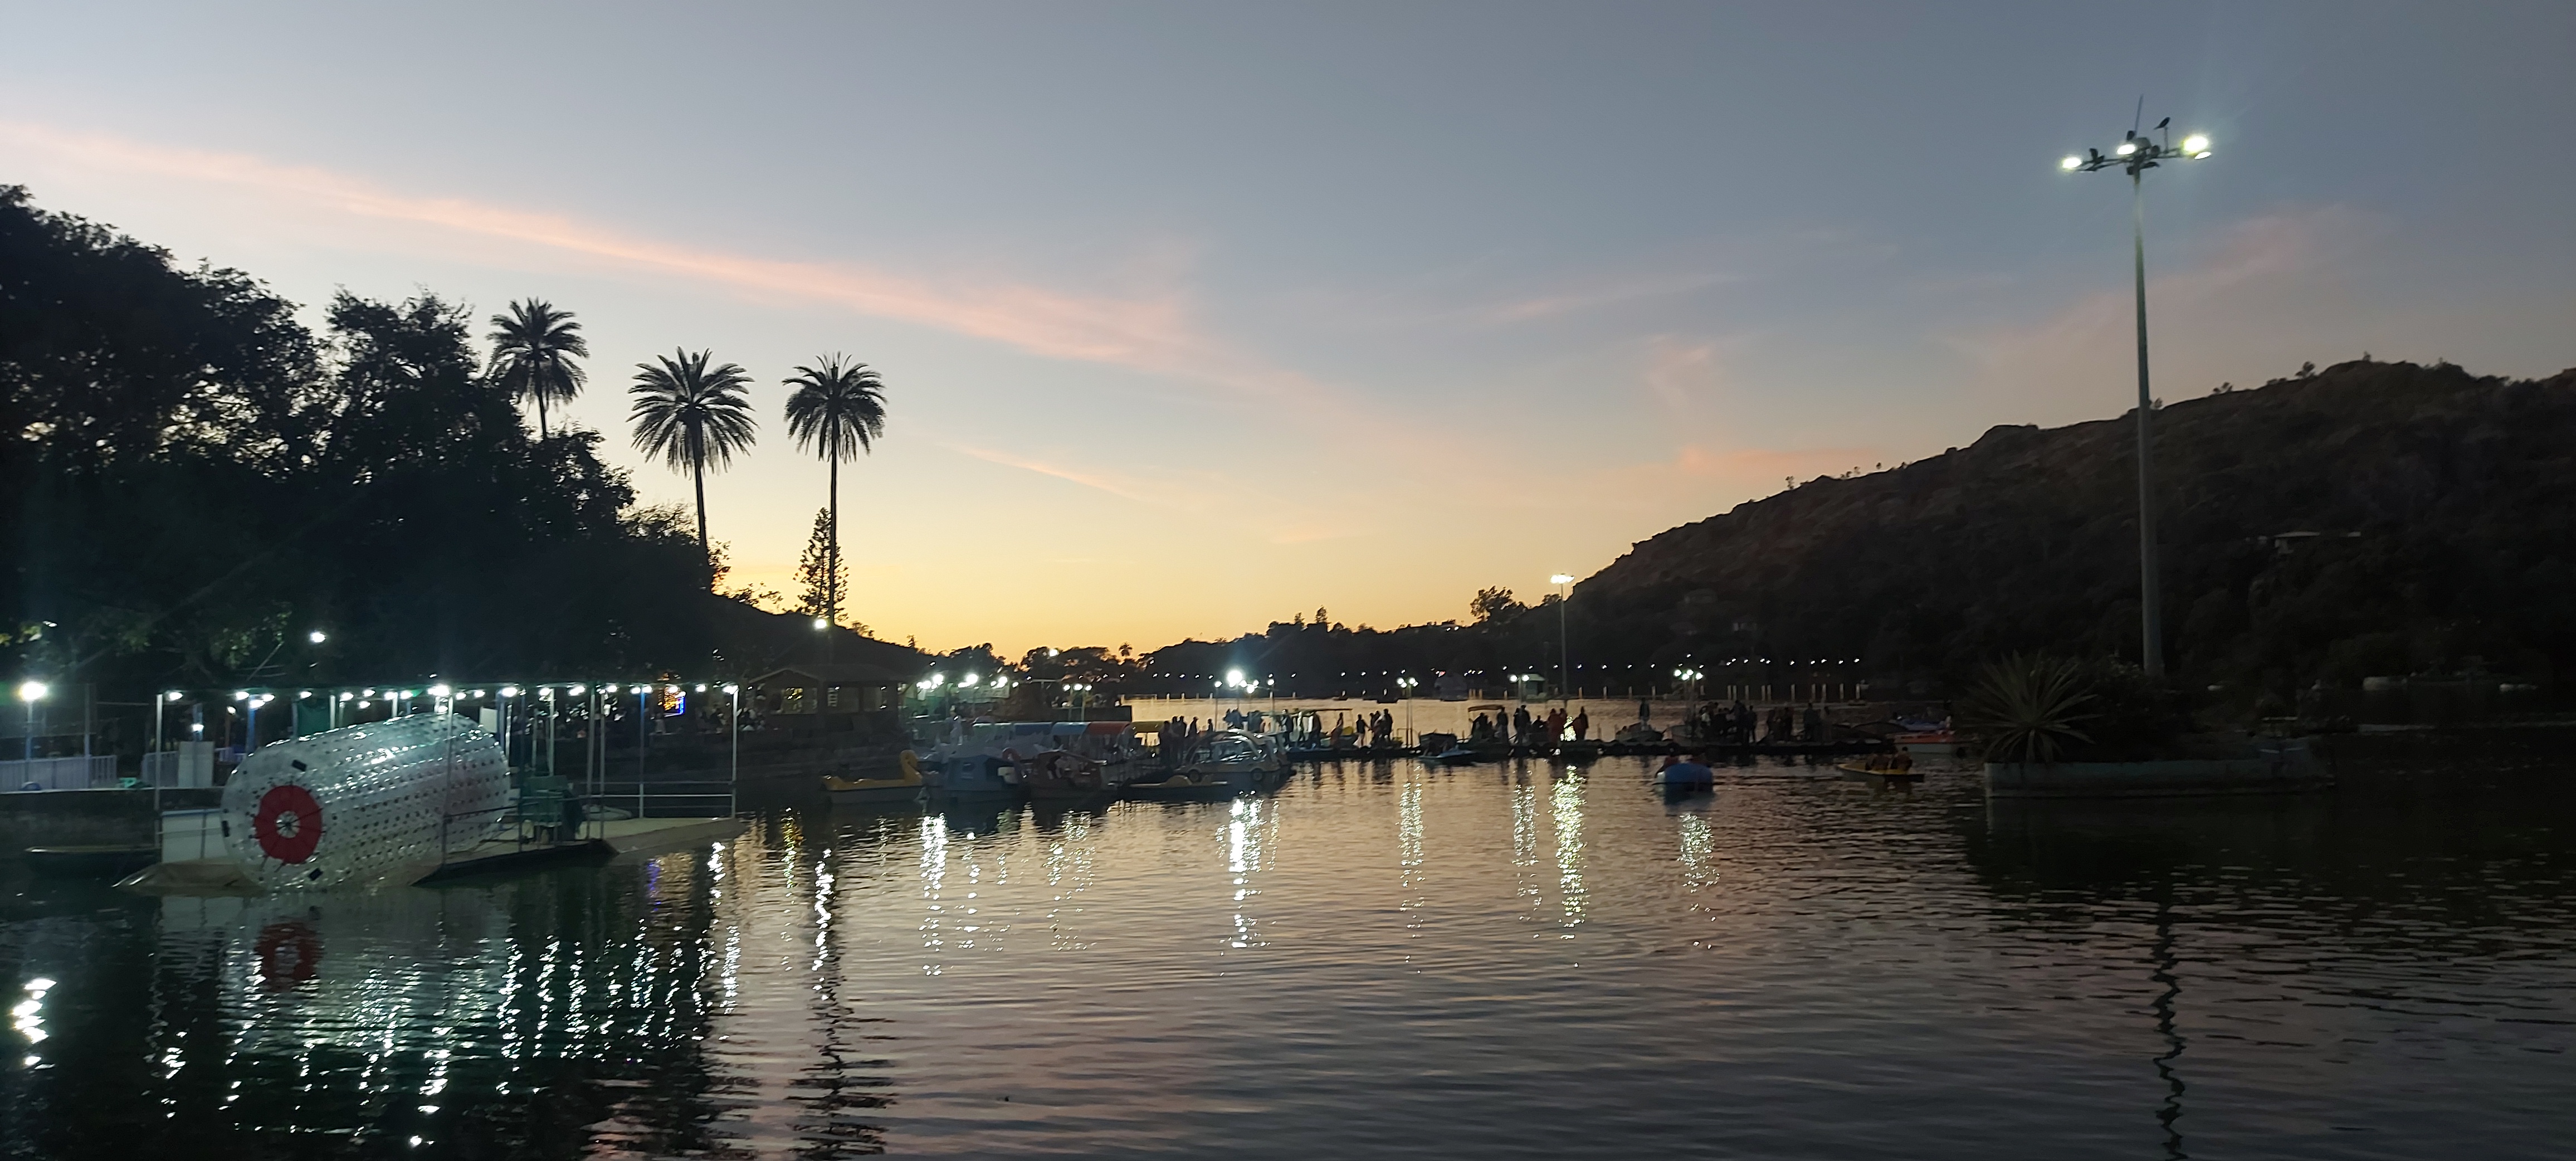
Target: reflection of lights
[(1243, 839), (934, 873), (1566, 802), (28, 1016), (1698, 852)]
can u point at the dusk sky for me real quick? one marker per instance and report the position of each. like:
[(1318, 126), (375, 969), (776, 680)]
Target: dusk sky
[(1194, 317)]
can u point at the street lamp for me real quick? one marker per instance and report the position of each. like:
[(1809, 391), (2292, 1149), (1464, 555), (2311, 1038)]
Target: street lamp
[(31, 692), (2137, 154)]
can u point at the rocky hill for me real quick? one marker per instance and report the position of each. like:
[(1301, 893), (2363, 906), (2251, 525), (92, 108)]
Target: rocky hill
[(2372, 518)]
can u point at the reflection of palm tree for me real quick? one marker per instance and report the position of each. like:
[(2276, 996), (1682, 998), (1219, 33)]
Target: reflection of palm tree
[(692, 417), (837, 411), (533, 348)]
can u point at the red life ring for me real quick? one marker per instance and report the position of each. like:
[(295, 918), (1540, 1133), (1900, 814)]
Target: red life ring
[(288, 824)]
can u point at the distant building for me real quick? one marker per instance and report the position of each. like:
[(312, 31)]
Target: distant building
[(827, 695)]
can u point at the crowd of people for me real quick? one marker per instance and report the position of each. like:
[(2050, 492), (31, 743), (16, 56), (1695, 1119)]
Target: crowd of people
[(1524, 728), (1712, 724), (1303, 728), (1737, 724)]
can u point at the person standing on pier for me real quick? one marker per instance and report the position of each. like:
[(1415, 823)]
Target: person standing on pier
[(1582, 724)]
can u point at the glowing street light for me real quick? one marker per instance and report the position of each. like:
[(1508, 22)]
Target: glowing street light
[(2137, 154), (32, 692), (317, 636)]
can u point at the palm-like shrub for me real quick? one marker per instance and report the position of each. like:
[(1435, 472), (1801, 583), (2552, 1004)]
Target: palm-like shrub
[(692, 416), (2029, 709), (837, 412), (533, 348)]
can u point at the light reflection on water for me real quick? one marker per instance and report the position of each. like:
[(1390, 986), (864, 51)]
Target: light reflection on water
[(1794, 966)]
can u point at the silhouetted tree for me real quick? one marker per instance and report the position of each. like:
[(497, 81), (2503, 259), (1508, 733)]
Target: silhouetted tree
[(692, 416), (821, 587), (1488, 605), (533, 352), (837, 411)]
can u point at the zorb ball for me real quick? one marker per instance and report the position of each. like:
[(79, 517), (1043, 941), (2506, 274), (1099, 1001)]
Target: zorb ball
[(353, 804)]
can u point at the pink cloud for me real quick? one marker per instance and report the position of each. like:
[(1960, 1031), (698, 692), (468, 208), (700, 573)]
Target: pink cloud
[(1152, 333)]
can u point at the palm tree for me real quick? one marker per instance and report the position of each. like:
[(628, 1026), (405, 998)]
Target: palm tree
[(533, 348), (693, 417), (2028, 709), (837, 412)]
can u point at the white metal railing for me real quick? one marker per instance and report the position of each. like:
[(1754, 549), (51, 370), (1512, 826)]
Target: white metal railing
[(74, 773)]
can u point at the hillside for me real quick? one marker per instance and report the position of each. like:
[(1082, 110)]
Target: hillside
[(2457, 487)]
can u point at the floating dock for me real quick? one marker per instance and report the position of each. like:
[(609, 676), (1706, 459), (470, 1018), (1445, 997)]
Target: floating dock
[(615, 840)]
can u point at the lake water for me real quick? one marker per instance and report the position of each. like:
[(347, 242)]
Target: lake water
[(1521, 960)]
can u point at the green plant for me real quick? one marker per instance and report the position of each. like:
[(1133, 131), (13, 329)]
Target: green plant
[(2029, 708)]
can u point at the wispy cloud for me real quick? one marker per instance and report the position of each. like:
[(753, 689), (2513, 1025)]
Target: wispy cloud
[(1152, 332), (2237, 283), (1595, 296), (1125, 488), (1683, 372)]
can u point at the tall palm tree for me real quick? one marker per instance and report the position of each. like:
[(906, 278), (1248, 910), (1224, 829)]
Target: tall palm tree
[(837, 411), (693, 416), (533, 348)]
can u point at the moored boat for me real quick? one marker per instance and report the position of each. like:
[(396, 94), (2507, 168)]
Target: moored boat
[(1179, 787), (1935, 743), (1882, 770), (1243, 757), (903, 787)]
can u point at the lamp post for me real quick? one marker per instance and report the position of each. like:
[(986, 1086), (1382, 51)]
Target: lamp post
[(31, 692), (2137, 154), (1565, 582)]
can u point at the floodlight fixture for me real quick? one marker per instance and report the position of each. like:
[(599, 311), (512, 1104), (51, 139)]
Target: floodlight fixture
[(2137, 154)]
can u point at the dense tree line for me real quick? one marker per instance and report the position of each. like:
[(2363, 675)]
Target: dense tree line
[(196, 482)]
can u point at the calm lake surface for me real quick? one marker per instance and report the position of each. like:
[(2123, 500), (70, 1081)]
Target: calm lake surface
[(1377, 960)]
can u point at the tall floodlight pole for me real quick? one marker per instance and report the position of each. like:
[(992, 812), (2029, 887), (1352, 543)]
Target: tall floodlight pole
[(1566, 582), (2137, 154)]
